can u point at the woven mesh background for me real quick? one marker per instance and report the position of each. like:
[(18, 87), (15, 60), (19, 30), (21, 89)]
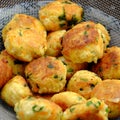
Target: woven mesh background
[(106, 12)]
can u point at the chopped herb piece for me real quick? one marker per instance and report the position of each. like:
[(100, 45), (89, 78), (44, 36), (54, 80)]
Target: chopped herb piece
[(87, 26), (67, 2), (89, 103), (25, 85), (81, 89), (20, 34), (107, 110), (61, 78), (36, 108), (63, 16), (92, 85), (64, 63), (62, 24), (50, 65), (97, 104), (86, 33), (84, 79), (27, 28), (55, 76), (72, 109), (73, 21), (70, 70), (28, 75), (79, 98)]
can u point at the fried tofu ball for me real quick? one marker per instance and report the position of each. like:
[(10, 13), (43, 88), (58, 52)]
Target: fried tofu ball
[(109, 91), (23, 21), (15, 90), (72, 67), (58, 15), (25, 44), (108, 67), (46, 75), (67, 99), (32, 108), (54, 46), (93, 109), (83, 82), (9, 67), (83, 43)]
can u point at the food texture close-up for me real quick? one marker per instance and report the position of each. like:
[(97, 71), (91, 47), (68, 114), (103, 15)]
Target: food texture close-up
[(59, 60)]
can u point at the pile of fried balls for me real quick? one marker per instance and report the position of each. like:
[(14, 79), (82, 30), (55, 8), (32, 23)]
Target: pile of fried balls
[(59, 67)]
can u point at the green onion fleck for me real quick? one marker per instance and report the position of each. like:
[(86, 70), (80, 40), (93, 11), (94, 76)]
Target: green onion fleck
[(72, 109), (50, 65), (70, 70), (36, 108)]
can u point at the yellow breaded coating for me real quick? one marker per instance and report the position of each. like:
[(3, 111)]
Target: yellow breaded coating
[(83, 43), (54, 40), (108, 67), (83, 82), (15, 90), (25, 44), (58, 15), (109, 91), (93, 109), (46, 75), (32, 108), (67, 98), (72, 67), (23, 21)]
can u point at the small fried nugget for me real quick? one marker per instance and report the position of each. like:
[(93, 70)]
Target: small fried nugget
[(72, 67), (32, 108), (93, 109), (54, 40), (23, 21), (15, 90), (46, 75), (58, 15), (109, 91), (67, 99), (83, 43), (83, 82), (25, 44), (108, 67)]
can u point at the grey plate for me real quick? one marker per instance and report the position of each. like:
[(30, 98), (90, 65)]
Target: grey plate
[(106, 12)]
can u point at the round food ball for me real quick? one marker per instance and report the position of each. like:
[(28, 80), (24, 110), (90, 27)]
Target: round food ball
[(23, 21), (46, 75), (109, 91), (15, 90), (83, 43), (32, 108), (83, 82), (58, 15), (72, 67), (4, 66), (93, 109), (24, 44), (67, 99), (54, 40), (108, 67)]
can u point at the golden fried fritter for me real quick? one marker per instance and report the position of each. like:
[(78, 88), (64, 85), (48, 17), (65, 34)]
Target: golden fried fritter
[(15, 90), (32, 108), (93, 109), (58, 15), (109, 91), (108, 67), (54, 46), (83, 43), (46, 75), (83, 82), (67, 99), (72, 67)]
